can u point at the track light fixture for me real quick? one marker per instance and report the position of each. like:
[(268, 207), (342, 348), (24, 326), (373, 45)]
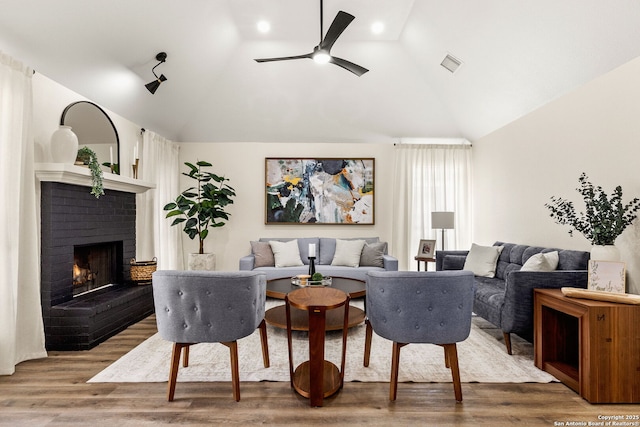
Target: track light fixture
[(154, 85)]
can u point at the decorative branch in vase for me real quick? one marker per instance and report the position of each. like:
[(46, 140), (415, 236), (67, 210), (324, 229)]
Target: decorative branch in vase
[(605, 217)]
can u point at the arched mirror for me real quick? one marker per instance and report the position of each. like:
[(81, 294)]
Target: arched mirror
[(95, 130)]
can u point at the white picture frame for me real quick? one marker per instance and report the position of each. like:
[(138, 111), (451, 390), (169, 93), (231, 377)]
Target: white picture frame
[(607, 276), (426, 249)]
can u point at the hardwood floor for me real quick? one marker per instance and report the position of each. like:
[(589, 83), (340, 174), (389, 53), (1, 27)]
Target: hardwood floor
[(54, 392)]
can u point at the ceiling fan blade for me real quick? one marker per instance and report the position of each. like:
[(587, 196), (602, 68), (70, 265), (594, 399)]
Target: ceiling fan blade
[(339, 24), (349, 66), (283, 58)]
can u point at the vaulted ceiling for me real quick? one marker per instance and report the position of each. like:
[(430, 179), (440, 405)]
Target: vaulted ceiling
[(517, 56)]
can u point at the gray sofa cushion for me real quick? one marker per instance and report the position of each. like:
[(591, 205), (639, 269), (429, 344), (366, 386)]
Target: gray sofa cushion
[(453, 262), (489, 298), (573, 260)]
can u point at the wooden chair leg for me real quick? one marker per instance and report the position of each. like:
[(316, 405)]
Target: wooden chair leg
[(451, 351), (185, 356), (367, 343), (173, 369), (265, 343), (447, 362), (235, 374), (507, 341), (395, 364)]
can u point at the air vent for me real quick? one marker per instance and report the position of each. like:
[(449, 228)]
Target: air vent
[(451, 63)]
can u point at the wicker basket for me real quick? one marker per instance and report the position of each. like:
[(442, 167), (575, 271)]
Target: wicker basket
[(141, 271)]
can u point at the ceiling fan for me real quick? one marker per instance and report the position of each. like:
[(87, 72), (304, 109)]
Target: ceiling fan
[(322, 52)]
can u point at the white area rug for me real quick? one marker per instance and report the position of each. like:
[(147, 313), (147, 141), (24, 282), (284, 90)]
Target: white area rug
[(482, 358)]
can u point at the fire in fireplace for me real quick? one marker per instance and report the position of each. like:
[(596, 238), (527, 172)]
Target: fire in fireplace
[(96, 266)]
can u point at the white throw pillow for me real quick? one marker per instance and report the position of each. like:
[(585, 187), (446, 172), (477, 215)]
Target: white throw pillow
[(286, 254), (482, 260), (547, 261), (348, 252)]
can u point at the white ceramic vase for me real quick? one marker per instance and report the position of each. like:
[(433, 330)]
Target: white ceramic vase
[(605, 253), (202, 262), (64, 145)]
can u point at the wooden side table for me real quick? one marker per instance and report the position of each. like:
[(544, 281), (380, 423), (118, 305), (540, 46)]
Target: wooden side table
[(317, 378), (426, 262), (591, 346)]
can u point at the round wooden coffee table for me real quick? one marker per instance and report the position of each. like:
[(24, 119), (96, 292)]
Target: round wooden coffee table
[(279, 288)]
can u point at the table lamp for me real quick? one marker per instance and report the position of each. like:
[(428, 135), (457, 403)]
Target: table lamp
[(443, 221)]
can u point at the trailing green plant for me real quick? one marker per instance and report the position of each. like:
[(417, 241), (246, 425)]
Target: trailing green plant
[(604, 218), (203, 205), (88, 157)]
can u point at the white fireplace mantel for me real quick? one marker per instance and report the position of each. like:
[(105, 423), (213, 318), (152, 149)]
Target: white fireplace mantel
[(78, 175)]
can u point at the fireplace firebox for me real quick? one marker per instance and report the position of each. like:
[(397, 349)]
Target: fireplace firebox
[(96, 267)]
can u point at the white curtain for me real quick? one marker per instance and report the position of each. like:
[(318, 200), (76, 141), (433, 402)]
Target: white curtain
[(430, 178), (159, 164), (21, 326)]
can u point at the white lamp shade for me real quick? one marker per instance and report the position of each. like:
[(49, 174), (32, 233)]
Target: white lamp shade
[(442, 220)]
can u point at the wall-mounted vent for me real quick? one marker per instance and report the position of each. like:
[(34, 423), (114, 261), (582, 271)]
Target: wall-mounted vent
[(451, 63)]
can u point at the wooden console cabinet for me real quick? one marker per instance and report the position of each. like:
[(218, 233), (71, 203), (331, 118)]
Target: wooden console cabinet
[(591, 346)]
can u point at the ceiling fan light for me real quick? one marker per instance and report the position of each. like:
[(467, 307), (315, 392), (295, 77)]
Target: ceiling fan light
[(321, 57)]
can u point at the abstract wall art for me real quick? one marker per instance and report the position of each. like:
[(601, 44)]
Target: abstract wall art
[(319, 191)]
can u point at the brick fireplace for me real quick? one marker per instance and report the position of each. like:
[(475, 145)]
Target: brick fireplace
[(87, 244)]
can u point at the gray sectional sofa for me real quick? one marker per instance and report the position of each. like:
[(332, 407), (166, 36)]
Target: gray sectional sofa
[(374, 257), (506, 300)]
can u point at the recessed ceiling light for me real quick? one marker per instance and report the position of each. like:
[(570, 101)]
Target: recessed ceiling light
[(377, 27), (264, 26)]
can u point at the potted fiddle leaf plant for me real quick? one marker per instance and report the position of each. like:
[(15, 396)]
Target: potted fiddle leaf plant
[(201, 207), (604, 219)]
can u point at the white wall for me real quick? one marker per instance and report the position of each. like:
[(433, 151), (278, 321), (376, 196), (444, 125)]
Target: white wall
[(595, 130), (243, 164)]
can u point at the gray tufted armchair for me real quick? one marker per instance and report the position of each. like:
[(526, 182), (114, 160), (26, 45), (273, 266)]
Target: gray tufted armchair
[(420, 307), (208, 306)]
